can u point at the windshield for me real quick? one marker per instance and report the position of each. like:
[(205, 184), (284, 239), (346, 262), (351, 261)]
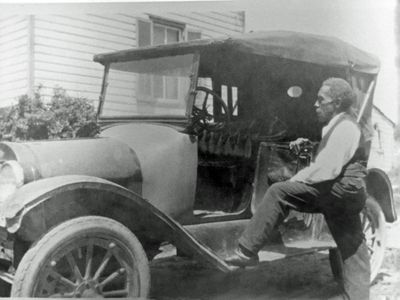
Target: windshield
[(150, 87)]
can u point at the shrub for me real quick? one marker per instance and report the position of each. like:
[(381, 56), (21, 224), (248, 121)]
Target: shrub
[(62, 117)]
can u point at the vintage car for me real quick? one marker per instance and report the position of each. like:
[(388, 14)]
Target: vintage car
[(192, 135)]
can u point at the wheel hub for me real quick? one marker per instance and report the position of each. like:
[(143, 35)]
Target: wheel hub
[(88, 289)]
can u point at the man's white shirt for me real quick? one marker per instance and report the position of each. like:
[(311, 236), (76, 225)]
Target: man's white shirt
[(339, 149)]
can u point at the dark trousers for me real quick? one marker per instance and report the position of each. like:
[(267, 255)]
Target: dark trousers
[(341, 215)]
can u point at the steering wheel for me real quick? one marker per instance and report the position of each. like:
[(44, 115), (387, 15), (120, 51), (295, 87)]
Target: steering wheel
[(203, 117)]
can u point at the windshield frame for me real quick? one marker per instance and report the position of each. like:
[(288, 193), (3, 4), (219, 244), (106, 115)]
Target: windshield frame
[(189, 98)]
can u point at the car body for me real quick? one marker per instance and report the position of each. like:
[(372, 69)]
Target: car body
[(193, 134)]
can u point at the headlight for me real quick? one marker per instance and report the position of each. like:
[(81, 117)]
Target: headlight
[(12, 173), (11, 177)]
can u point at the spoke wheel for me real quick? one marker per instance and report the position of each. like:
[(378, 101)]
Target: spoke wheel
[(374, 227), (88, 257)]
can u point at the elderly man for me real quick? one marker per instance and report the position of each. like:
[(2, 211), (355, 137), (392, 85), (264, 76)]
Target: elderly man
[(332, 185)]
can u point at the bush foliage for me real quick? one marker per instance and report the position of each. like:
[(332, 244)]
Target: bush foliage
[(62, 117)]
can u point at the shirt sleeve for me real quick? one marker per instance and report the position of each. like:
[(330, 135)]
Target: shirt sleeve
[(340, 148)]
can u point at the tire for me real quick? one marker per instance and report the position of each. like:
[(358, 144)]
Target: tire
[(84, 257), (374, 228)]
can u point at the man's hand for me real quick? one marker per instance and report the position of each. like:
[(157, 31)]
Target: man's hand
[(298, 144)]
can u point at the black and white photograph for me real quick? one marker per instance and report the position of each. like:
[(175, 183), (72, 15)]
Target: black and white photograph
[(200, 149)]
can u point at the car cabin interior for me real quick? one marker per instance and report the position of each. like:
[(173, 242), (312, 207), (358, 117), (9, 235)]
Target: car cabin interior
[(269, 101)]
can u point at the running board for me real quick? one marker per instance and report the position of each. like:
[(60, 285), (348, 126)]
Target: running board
[(220, 240), (169, 258)]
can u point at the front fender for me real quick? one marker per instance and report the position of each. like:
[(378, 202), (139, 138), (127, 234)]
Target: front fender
[(47, 202), (41, 205), (379, 186), (35, 193)]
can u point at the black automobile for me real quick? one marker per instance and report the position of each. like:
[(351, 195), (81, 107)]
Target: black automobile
[(193, 134)]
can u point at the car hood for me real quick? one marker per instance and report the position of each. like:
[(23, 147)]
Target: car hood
[(155, 161), (102, 157)]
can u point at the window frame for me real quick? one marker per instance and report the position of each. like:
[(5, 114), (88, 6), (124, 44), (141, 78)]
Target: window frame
[(165, 23), (185, 29), (178, 119)]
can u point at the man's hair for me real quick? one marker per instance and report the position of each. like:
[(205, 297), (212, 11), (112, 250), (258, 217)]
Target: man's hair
[(341, 90)]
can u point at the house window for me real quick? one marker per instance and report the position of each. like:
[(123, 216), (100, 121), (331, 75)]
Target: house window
[(159, 31), (165, 87), (165, 34), (193, 35)]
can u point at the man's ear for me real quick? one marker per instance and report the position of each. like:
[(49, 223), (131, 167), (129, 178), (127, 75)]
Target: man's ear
[(338, 104)]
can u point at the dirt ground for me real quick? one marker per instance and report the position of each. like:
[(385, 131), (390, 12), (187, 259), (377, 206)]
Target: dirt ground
[(303, 277)]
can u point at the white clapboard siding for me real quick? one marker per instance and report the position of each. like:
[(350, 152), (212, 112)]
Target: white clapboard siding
[(68, 83), (50, 39), (13, 27), (382, 147), (84, 24), (12, 85), (65, 46), (70, 61), (58, 50), (13, 36), (13, 58), (209, 24), (8, 22), (16, 78), (17, 52), (75, 70), (11, 44), (120, 20), (14, 69), (78, 41), (48, 91), (9, 63)]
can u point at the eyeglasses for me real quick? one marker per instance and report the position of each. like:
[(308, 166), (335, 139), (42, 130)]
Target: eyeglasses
[(323, 101)]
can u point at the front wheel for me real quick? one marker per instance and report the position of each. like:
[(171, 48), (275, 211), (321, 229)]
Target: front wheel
[(84, 257)]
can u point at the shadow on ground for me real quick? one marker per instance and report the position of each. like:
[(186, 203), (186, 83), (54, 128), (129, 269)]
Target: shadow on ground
[(302, 277)]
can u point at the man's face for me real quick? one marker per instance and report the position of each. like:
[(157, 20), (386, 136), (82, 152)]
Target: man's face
[(325, 106)]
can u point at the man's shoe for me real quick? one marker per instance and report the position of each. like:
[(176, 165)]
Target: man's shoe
[(240, 259)]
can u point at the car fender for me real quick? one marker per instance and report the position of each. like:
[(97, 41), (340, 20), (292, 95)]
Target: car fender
[(379, 186), (168, 163), (43, 204)]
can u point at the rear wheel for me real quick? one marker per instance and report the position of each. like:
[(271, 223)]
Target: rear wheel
[(84, 257), (374, 228)]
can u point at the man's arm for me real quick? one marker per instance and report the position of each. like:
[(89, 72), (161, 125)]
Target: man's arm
[(340, 148)]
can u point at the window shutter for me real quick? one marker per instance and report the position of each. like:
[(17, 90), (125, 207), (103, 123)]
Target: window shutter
[(143, 33), (193, 35)]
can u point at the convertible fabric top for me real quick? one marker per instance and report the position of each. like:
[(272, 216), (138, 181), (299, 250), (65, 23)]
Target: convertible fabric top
[(309, 48)]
